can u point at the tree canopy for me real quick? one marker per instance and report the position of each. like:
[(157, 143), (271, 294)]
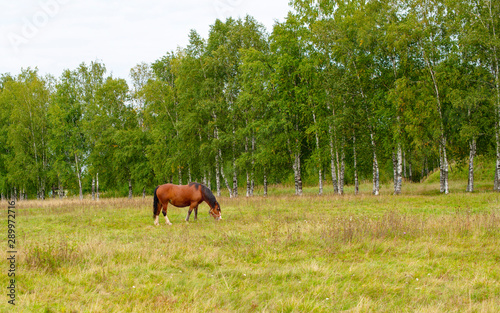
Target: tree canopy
[(339, 92)]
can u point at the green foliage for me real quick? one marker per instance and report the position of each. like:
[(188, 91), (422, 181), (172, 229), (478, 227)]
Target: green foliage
[(26, 100), (333, 77)]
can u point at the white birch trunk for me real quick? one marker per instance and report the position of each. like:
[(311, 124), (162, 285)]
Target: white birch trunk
[(252, 178), (235, 171), (60, 188), (496, 185), (97, 186), (422, 176), (42, 190), (180, 174), (248, 174), (472, 154), (394, 170), (320, 192), (426, 167), (404, 165), (217, 175), (376, 174), (341, 168), (295, 174), (442, 145), (399, 172), (79, 177), (444, 167), (295, 151), (495, 68), (265, 182), (333, 152), (332, 162), (217, 160), (93, 188), (446, 171), (248, 185), (296, 171), (220, 163), (235, 179), (223, 175), (130, 193), (441, 176), (356, 183), (209, 182), (338, 172)]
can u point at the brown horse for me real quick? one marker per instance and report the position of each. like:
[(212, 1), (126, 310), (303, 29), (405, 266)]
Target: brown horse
[(182, 196)]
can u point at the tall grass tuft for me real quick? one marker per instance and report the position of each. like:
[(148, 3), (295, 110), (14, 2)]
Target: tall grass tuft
[(397, 225), (49, 257)]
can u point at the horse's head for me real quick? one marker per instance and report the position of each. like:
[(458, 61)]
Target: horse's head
[(215, 211)]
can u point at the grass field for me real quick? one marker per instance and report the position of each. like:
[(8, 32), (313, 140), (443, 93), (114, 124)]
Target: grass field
[(419, 252)]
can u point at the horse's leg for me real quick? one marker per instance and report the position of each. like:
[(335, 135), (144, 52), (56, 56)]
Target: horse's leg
[(157, 213), (195, 213), (191, 207), (165, 214)]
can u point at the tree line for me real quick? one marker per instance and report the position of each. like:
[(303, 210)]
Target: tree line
[(339, 92)]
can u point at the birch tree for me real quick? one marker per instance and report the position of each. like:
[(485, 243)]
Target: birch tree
[(433, 42), (68, 137), (28, 132), (290, 54), (254, 99), (346, 34), (5, 121), (481, 31)]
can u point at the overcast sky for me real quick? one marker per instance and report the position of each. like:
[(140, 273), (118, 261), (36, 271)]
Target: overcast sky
[(54, 35)]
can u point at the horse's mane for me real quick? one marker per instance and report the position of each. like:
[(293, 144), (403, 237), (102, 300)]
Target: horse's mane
[(208, 196)]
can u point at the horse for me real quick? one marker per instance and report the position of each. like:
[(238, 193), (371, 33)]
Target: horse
[(182, 196)]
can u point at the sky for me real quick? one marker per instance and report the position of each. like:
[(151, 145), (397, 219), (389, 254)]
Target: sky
[(54, 35)]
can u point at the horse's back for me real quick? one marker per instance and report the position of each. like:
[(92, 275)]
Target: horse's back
[(178, 195)]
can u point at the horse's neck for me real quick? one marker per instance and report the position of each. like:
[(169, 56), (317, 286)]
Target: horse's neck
[(206, 201), (204, 198)]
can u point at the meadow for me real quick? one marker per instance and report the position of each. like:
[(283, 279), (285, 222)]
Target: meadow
[(417, 252)]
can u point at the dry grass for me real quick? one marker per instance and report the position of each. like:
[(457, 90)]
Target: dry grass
[(412, 253)]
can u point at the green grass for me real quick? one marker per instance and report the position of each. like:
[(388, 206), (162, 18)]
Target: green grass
[(419, 252)]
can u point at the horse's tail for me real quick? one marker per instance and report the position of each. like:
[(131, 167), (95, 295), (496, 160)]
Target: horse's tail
[(155, 202)]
